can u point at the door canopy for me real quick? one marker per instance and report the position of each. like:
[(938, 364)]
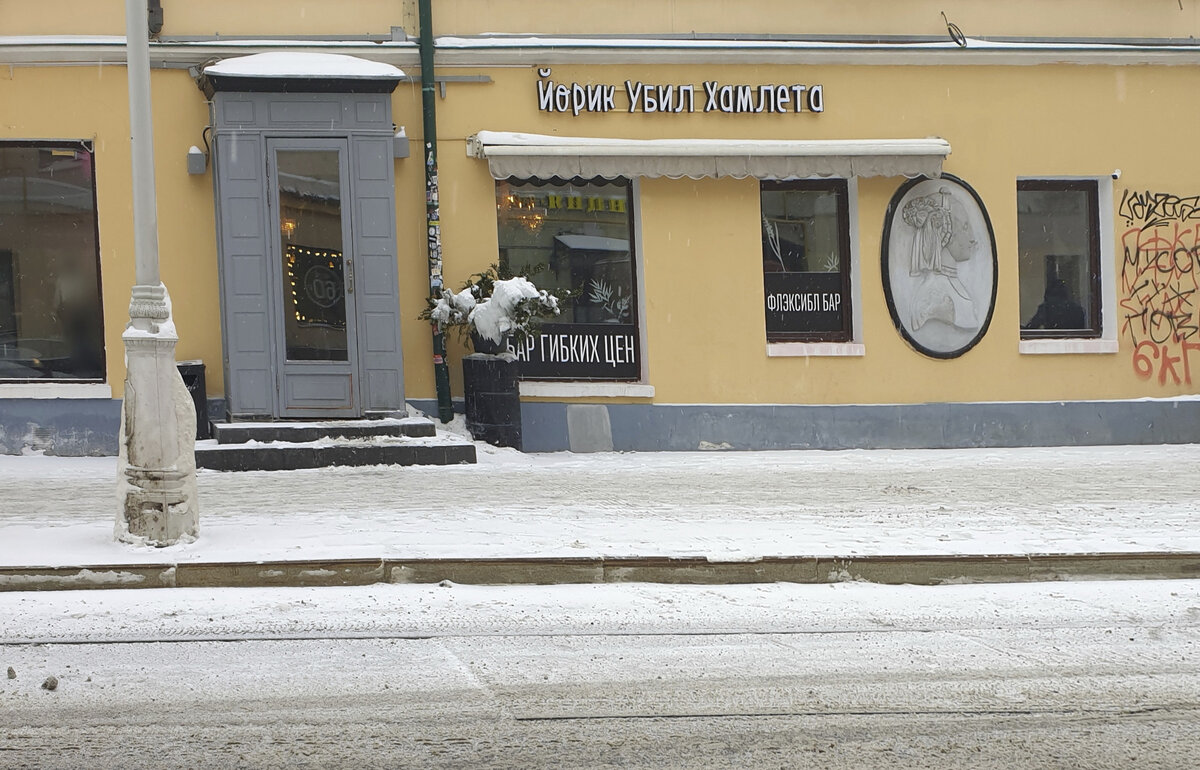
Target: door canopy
[(288, 72)]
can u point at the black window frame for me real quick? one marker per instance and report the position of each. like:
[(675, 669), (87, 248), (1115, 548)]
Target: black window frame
[(87, 146), (1096, 285), (633, 372), (841, 190)]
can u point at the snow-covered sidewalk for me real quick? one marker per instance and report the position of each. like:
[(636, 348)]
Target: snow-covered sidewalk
[(720, 505)]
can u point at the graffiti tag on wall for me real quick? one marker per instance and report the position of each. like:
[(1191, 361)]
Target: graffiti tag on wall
[(1158, 310)]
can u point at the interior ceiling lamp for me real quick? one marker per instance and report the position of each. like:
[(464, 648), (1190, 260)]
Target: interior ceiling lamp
[(523, 210)]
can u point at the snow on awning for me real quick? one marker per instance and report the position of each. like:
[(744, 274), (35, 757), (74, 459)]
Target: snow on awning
[(299, 72), (536, 156)]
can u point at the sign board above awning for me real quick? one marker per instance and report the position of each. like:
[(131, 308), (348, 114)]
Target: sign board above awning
[(537, 156)]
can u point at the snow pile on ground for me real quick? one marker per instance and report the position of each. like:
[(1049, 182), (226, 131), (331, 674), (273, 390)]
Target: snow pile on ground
[(719, 505)]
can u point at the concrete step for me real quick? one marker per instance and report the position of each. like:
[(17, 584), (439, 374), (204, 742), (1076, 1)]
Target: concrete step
[(280, 446), (282, 456), (299, 432)]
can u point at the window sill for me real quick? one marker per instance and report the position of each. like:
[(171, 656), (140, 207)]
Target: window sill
[(552, 389), (826, 349), (1068, 346), (55, 390)]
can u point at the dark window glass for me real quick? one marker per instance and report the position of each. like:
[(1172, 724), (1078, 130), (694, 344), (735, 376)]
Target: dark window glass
[(575, 235), (51, 324), (310, 224), (1059, 258), (806, 260)]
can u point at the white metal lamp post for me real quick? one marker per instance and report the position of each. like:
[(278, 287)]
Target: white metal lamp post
[(157, 471)]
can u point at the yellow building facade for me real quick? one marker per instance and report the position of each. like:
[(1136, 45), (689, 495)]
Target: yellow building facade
[(780, 227)]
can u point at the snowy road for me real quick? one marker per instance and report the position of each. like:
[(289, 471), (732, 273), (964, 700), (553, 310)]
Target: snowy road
[(1003, 676)]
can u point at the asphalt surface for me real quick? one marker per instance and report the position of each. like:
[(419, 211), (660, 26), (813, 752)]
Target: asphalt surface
[(1077, 675)]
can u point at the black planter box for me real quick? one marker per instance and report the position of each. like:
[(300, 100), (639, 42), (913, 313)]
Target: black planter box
[(493, 399)]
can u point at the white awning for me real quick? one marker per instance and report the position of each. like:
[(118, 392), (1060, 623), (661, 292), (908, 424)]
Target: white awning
[(536, 156)]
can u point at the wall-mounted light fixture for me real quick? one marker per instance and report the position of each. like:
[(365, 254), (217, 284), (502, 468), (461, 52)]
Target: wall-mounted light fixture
[(197, 161), (154, 17), (400, 144)]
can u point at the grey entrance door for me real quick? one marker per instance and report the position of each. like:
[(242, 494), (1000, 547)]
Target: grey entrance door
[(313, 282), (306, 233)]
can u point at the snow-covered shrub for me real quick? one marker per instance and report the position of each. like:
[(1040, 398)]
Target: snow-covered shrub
[(493, 307)]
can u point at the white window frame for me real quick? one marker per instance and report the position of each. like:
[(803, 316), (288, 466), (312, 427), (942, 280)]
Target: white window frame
[(1107, 342), (65, 388)]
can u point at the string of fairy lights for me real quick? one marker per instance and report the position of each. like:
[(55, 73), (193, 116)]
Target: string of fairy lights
[(299, 262)]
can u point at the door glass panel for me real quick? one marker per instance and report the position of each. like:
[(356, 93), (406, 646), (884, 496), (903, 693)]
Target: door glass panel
[(310, 232)]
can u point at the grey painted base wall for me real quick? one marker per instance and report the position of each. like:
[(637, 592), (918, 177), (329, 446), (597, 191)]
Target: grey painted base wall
[(75, 427), (68, 427), (554, 427), (60, 426)]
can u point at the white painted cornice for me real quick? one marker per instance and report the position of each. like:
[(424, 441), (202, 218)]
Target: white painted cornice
[(499, 51)]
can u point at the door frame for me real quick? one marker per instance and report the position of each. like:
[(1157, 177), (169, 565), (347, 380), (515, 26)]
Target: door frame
[(313, 388), (244, 116)]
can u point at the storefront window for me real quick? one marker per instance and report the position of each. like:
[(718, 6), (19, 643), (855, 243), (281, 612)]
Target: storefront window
[(1059, 263), (576, 236), (806, 260), (51, 324)]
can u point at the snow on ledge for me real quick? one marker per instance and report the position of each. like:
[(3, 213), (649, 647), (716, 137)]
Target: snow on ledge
[(286, 64), (501, 41), (530, 40)]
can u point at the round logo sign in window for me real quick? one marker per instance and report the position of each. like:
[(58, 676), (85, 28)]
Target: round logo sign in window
[(323, 286)]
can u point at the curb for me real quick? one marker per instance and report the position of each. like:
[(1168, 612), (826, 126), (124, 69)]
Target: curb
[(887, 570)]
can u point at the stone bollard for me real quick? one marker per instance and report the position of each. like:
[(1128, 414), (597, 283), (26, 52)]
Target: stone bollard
[(156, 485)]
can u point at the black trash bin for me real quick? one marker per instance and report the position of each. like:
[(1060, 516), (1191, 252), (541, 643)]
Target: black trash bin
[(192, 373)]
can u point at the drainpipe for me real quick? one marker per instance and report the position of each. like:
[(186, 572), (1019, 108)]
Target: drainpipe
[(441, 372)]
